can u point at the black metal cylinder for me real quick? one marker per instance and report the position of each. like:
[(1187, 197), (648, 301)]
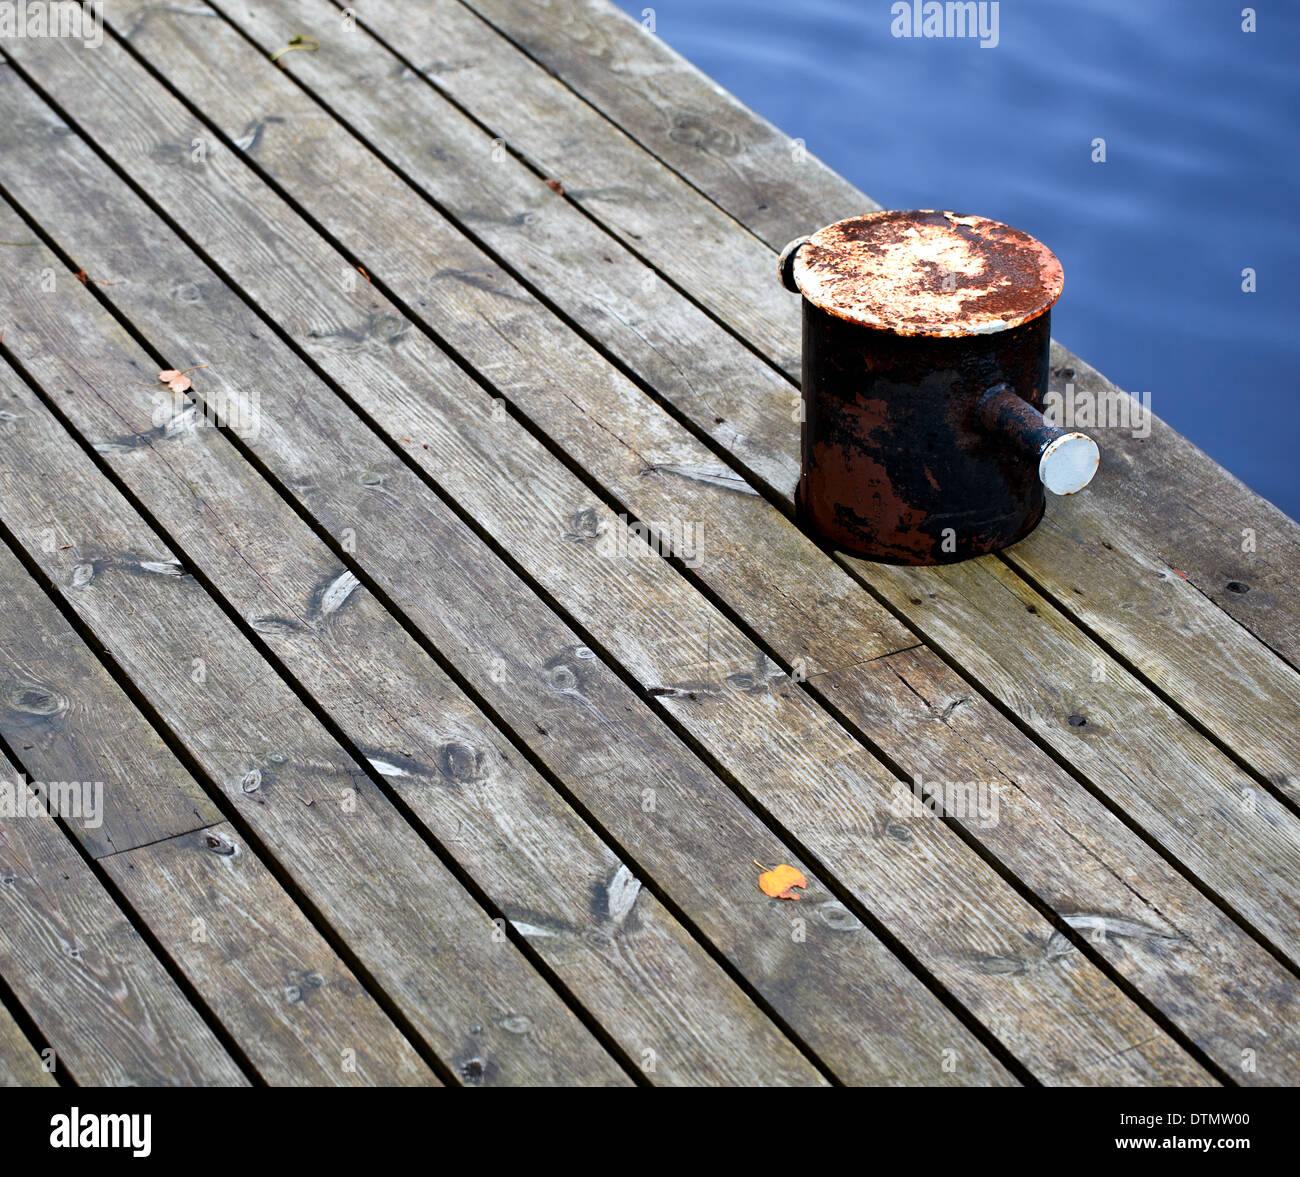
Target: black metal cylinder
[(925, 352), (897, 464)]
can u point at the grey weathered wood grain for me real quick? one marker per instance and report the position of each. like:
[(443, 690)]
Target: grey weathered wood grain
[(625, 471), (1160, 499), (96, 734), (20, 1065), (296, 1009), (834, 981), (1265, 736), (97, 994), (1080, 1026), (403, 913), (1188, 511), (1162, 623), (602, 172), (1203, 809), (1178, 504), (349, 70), (1166, 937), (67, 720), (749, 167), (636, 968), (603, 287)]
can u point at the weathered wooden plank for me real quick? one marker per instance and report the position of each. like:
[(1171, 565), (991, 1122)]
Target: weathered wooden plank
[(1266, 735), (350, 71), (1233, 998), (98, 995), (608, 291), (298, 1012), (1204, 811), (735, 571), (1179, 505), (403, 913), (1165, 626), (1188, 511), (601, 172), (754, 171), (241, 944), (400, 910), (67, 720), (831, 978), (634, 966), (1072, 1024), (20, 1065), (586, 405)]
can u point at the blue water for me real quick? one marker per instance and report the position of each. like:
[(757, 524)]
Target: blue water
[(1201, 180)]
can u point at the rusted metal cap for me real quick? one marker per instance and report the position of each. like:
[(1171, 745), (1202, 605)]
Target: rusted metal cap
[(927, 273)]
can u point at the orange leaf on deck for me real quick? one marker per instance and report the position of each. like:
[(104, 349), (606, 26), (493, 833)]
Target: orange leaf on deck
[(781, 882), (178, 381), (80, 276), (555, 186)]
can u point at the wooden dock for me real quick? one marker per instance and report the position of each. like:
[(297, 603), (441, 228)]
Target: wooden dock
[(415, 762)]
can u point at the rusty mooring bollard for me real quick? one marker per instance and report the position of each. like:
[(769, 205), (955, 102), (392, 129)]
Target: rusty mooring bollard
[(925, 346)]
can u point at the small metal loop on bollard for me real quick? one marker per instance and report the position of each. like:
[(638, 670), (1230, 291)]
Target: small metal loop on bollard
[(785, 263)]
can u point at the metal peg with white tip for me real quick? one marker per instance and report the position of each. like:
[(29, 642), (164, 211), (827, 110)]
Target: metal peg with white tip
[(1066, 459)]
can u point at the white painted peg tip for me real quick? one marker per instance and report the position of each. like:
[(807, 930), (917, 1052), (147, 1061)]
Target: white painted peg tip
[(1068, 463)]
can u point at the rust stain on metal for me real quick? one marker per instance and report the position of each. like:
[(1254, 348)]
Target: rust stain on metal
[(897, 464), (926, 273), (925, 352)]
